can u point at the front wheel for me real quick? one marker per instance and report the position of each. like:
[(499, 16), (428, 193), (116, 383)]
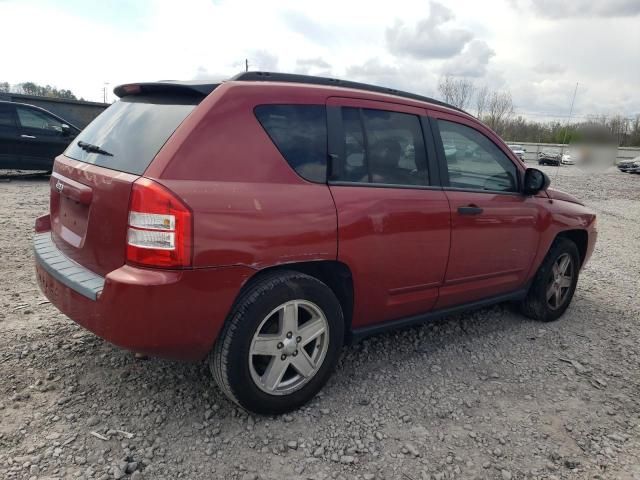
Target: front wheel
[(279, 344), (555, 282)]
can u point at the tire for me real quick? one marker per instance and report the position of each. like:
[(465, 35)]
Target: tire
[(537, 305), (259, 316)]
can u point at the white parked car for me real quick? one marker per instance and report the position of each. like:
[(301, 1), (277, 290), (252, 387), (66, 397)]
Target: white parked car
[(568, 159)]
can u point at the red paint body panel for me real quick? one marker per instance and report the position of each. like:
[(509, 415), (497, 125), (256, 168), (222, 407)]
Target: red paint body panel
[(561, 216), (560, 195), (171, 314), (259, 224), (396, 243), (490, 253), (91, 232), (407, 248)]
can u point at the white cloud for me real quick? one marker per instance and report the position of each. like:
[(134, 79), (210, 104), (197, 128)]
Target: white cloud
[(429, 38), (472, 62), (580, 8), (537, 50)]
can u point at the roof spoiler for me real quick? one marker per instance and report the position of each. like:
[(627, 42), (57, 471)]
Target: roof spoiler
[(175, 87)]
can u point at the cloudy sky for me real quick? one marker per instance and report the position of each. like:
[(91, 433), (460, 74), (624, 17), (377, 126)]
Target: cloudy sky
[(538, 49)]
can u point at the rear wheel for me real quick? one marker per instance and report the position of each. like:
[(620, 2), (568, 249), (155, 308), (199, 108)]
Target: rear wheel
[(279, 344), (555, 282)]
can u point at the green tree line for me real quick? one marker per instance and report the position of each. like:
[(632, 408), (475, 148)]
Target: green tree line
[(496, 109), (31, 88)]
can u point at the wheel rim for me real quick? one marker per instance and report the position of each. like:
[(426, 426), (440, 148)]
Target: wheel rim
[(560, 281), (288, 347)]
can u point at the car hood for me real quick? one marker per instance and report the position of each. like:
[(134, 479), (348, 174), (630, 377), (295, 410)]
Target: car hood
[(560, 195)]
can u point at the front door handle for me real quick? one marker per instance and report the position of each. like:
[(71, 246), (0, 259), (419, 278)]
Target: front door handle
[(470, 210), (27, 136)]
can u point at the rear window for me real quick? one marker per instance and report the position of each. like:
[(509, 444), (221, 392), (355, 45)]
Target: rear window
[(132, 130), (300, 133)]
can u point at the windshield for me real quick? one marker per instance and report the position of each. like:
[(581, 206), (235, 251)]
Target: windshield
[(129, 134)]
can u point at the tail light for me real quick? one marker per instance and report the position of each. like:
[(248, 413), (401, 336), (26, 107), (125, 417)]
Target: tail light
[(159, 231)]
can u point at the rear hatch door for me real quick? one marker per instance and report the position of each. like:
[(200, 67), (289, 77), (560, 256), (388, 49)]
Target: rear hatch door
[(91, 182)]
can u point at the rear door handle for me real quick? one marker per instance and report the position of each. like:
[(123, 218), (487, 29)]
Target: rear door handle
[(470, 210), (27, 136)]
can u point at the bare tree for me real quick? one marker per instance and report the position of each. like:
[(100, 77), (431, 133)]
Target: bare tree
[(456, 91), (482, 98), (499, 110), (619, 127)]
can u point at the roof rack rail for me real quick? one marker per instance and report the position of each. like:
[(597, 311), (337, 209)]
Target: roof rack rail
[(334, 82)]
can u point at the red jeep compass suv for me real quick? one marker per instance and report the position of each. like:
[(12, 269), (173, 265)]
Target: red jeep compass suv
[(262, 222)]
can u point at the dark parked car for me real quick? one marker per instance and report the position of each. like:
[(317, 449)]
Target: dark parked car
[(263, 222), (631, 166), (31, 137), (549, 158)]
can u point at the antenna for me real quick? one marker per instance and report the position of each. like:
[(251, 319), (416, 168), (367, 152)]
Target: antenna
[(566, 127)]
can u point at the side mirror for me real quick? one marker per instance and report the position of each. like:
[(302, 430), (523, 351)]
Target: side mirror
[(66, 129), (535, 181)]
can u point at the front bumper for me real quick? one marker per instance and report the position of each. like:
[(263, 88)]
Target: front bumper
[(174, 314)]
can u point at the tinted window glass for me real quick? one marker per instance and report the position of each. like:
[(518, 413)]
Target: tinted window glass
[(355, 167), (390, 150), (30, 118), (133, 130), (474, 161), (300, 133), (6, 116)]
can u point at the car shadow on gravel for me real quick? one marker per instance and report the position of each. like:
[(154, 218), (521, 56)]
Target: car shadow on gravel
[(464, 348), (109, 370)]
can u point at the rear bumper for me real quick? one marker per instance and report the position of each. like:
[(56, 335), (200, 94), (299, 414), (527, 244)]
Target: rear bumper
[(174, 314)]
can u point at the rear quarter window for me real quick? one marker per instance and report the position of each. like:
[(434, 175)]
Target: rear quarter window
[(300, 134)]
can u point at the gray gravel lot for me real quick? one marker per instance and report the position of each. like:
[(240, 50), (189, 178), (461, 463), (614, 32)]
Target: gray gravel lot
[(483, 395)]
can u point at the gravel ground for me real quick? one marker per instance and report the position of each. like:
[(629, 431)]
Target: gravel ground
[(483, 395)]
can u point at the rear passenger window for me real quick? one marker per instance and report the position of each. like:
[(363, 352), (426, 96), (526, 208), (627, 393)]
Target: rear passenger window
[(383, 147), (300, 133)]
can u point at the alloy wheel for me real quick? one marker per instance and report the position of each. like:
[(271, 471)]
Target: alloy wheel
[(288, 347), (560, 281)]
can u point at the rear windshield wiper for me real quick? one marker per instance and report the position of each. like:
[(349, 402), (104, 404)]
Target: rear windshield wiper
[(89, 147)]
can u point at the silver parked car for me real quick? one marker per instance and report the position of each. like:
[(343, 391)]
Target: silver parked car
[(519, 150)]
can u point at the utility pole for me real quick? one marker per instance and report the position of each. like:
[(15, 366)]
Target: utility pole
[(104, 92), (246, 64)]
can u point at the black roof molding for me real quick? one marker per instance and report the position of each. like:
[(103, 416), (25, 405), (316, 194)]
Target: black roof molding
[(334, 82), (177, 87)]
